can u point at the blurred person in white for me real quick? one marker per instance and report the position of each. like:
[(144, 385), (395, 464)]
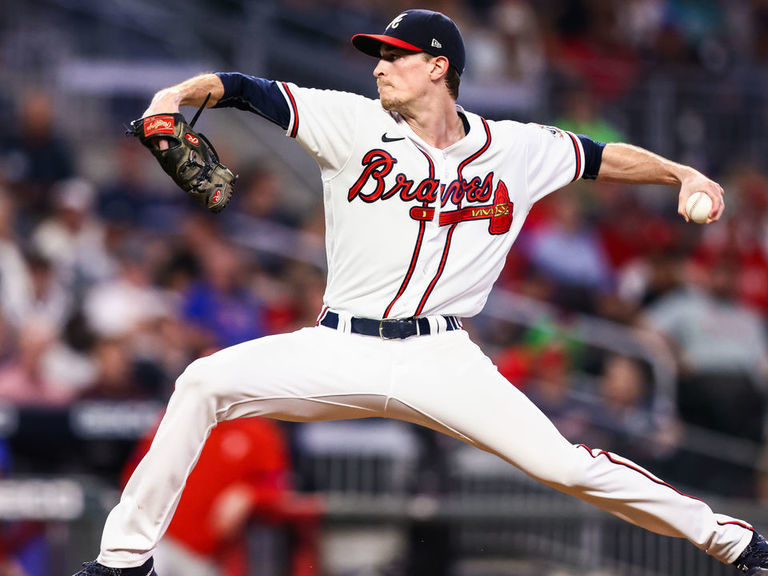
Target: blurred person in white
[(124, 304), (27, 286), (131, 310), (31, 294), (48, 297), (73, 239), (719, 341), (15, 278), (49, 301), (69, 360), (722, 352), (22, 379)]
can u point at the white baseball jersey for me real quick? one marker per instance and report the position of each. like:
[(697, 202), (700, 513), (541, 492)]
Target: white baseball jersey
[(413, 230)]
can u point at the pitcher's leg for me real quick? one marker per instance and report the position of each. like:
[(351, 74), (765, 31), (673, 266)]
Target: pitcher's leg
[(306, 375), (465, 396), (629, 491)]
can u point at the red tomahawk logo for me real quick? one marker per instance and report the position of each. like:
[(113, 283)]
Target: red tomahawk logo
[(499, 213)]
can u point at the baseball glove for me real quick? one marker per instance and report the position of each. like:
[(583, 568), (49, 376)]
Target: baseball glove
[(190, 159)]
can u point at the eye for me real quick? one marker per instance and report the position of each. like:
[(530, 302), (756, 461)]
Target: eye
[(391, 55)]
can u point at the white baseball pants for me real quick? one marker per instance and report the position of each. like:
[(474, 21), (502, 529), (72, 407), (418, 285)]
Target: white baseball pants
[(442, 381), (172, 559)]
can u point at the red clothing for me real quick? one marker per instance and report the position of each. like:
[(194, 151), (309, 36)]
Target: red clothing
[(610, 69), (246, 451)]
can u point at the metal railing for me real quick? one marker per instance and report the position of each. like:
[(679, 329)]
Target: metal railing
[(497, 516), (488, 529)]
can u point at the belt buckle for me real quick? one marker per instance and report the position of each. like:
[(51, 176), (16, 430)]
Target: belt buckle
[(381, 329), (403, 328)]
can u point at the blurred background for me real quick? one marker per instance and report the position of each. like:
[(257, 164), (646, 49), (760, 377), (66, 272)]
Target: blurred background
[(636, 332)]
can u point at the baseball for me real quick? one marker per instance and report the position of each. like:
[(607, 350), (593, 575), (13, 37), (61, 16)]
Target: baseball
[(698, 207)]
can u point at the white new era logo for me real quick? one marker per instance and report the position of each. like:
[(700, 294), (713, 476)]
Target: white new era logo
[(436, 44)]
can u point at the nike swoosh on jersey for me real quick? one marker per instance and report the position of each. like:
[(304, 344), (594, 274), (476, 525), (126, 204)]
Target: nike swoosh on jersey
[(385, 138)]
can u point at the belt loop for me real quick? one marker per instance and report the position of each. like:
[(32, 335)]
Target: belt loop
[(321, 317), (345, 323), (388, 329)]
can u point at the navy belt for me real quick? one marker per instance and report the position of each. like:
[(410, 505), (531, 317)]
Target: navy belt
[(388, 329)]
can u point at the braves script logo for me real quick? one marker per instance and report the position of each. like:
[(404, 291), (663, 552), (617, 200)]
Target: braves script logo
[(396, 22), (378, 164), (158, 125)]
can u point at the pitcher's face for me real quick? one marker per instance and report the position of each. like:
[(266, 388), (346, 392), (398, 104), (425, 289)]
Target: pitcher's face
[(402, 76)]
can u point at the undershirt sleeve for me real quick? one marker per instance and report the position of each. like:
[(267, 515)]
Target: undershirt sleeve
[(593, 156), (257, 95)]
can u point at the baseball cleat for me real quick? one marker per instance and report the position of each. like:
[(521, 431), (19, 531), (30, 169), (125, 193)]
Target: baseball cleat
[(96, 569), (754, 559)]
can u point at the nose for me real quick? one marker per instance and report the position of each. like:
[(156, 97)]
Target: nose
[(379, 70)]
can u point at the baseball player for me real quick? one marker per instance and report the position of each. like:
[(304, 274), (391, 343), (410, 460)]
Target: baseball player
[(423, 200)]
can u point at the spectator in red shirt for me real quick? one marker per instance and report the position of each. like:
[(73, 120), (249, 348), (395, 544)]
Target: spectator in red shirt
[(242, 474)]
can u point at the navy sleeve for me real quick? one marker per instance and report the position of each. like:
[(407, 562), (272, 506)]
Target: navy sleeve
[(257, 95), (593, 156)]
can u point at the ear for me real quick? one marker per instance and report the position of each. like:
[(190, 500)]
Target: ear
[(439, 67)]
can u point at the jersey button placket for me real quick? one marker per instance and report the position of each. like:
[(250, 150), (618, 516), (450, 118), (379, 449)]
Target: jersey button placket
[(432, 243)]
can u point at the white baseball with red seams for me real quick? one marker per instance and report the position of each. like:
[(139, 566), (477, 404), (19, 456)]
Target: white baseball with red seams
[(411, 230), (698, 207)]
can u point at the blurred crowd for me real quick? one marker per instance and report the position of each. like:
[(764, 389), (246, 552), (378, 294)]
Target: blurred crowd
[(568, 59), (110, 287)]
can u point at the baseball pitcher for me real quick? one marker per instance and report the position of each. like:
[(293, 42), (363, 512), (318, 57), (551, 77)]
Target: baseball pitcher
[(423, 200)]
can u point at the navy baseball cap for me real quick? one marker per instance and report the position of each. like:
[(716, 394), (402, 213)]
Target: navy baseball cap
[(419, 30)]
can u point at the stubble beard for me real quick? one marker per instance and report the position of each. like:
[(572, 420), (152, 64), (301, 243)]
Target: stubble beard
[(394, 104), (391, 104)]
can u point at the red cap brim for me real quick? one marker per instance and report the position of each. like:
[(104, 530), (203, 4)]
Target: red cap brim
[(371, 43)]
